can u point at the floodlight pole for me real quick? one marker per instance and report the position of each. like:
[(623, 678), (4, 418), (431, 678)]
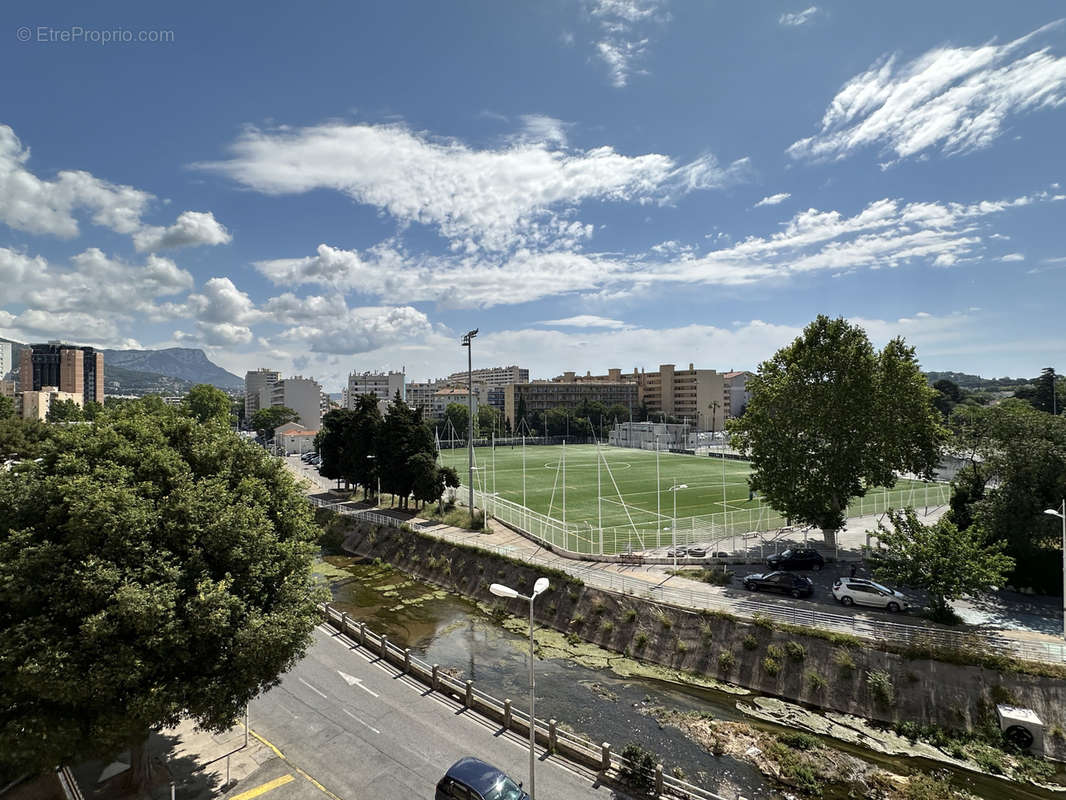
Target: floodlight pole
[(467, 339), (658, 494), (1061, 514)]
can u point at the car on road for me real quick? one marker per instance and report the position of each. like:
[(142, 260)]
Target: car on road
[(862, 592), (697, 552), (781, 582), (796, 558), (472, 779), (677, 552)]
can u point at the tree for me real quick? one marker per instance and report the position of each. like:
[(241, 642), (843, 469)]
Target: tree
[(948, 395), (65, 411), (334, 446), (940, 559), (402, 435), (362, 463), (7, 407), (151, 568), (266, 420), (488, 420), (92, 410), (21, 438), (829, 418), (713, 408), (427, 482), (206, 403), (459, 416)]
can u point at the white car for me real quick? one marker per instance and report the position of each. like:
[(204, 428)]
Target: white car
[(863, 592)]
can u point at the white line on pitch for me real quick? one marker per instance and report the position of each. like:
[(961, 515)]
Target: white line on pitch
[(371, 727), (312, 688)]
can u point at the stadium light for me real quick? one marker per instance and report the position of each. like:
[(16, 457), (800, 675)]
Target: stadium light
[(1061, 514), (539, 587), (674, 490), (467, 339)]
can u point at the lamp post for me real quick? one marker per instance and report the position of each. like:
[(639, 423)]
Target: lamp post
[(1061, 514), (371, 457), (539, 587), (674, 489), (658, 495), (467, 343)]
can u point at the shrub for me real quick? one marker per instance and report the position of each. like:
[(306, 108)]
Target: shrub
[(762, 621), (815, 682), (845, 663), (598, 607), (705, 633), (638, 770), (1001, 695), (640, 640), (665, 621), (681, 646), (577, 619), (771, 666), (795, 651), (775, 652), (799, 741), (880, 683), (607, 627), (630, 615), (750, 642), (726, 662)]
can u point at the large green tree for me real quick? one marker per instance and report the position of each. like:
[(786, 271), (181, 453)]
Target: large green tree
[(7, 407), (830, 418), (65, 411), (489, 421), (151, 568), (21, 438), (459, 417), (266, 420), (940, 559), (206, 402), (402, 434)]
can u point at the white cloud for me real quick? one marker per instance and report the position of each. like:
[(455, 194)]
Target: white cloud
[(30, 204), (773, 199), (519, 196), (361, 330), (798, 18), (621, 47), (191, 228), (542, 128), (584, 321), (952, 99), (219, 301), (1013, 257)]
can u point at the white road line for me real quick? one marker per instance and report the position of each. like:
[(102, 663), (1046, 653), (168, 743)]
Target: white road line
[(312, 688), (371, 727), (352, 680)]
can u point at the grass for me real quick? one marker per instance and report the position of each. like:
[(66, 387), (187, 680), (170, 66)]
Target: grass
[(636, 498)]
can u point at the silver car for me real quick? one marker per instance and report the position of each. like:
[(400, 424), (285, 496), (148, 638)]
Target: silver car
[(863, 592)]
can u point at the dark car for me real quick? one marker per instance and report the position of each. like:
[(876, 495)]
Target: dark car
[(697, 552), (782, 582), (473, 779), (796, 558)]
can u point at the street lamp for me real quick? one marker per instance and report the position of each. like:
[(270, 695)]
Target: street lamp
[(674, 490), (467, 340), (539, 587), (1061, 514), (372, 457)]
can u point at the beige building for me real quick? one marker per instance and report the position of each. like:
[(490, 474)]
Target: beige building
[(302, 395), (493, 376), (7, 388), (383, 385), (543, 395), (613, 375), (75, 370), (254, 383), (442, 398), (736, 392), (36, 405), (692, 395)]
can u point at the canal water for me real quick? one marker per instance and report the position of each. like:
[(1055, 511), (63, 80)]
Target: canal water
[(450, 630)]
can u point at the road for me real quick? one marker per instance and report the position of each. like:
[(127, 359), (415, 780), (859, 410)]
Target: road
[(352, 728)]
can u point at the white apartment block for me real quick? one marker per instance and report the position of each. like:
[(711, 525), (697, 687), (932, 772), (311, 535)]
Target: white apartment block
[(420, 394), (494, 376), (254, 383), (384, 385), (442, 398), (736, 394), (302, 395), (6, 364)]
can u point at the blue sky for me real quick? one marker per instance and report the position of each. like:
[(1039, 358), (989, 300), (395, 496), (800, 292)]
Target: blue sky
[(607, 183)]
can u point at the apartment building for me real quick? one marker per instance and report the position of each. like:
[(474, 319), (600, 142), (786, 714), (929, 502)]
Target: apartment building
[(442, 398), (254, 383), (493, 376), (6, 364), (695, 395), (419, 394), (37, 404), (736, 395), (384, 385), (302, 395), (614, 375), (543, 395), (73, 370)]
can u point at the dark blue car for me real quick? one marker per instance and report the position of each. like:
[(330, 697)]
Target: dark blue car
[(472, 779)]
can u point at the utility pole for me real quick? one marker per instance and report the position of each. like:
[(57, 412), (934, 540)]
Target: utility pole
[(467, 343)]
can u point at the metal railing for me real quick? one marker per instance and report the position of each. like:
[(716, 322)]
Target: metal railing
[(566, 744)]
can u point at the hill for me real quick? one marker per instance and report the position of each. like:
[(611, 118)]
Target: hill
[(966, 381), (174, 362), (120, 381)]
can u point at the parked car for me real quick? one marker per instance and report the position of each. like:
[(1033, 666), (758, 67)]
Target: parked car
[(796, 558), (678, 552), (781, 582), (697, 552), (859, 591), (721, 554), (473, 779)]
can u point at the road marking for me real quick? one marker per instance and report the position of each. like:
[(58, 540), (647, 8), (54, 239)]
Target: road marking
[(350, 714), (295, 768), (312, 688), (263, 789), (352, 680)]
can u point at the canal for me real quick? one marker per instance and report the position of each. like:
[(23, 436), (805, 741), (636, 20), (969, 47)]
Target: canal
[(590, 698)]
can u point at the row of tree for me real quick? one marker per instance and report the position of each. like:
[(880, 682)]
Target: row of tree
[(397, 452)]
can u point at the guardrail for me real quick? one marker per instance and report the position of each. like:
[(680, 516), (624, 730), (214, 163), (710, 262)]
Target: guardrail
[(893, 633), (571, 746)]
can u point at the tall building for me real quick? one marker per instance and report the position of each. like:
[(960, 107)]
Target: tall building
[(5, 359), (37, 404), (254, 382), (442, 398), (384, 385), (420, 394), (695, 395), (614, 375), (74, 370), (302, 395), (494, 376), (542, 395), (736, 392)]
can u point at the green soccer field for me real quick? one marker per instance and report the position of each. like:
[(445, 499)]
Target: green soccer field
[(633, 513)]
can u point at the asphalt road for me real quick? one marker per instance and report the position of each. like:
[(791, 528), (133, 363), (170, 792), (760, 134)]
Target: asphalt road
[(352, 728)]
